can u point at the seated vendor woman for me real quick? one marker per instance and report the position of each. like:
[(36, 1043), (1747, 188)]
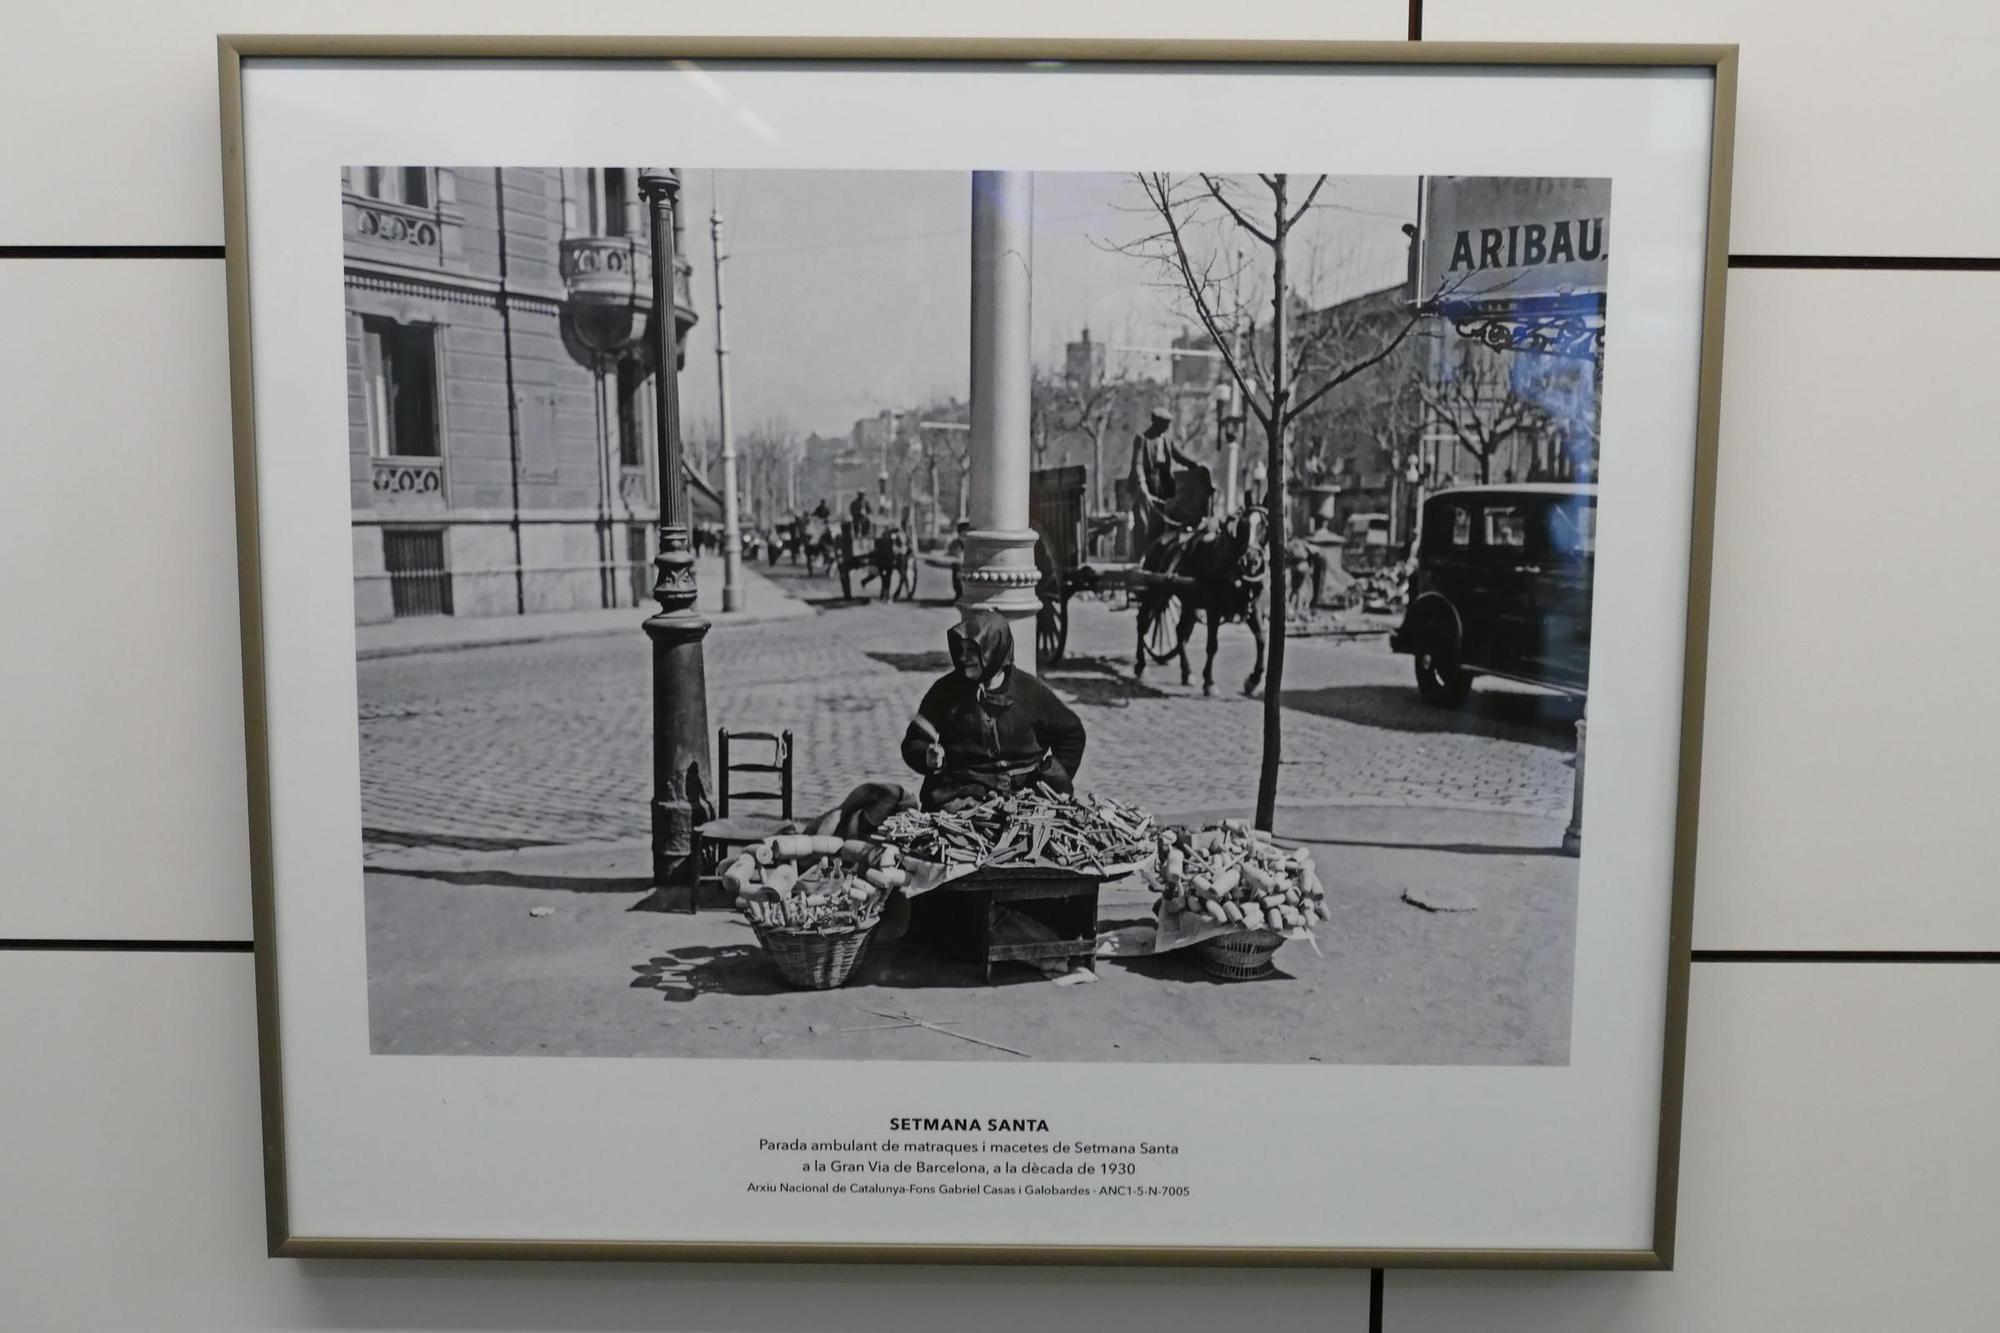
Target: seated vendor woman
[(989, 727)]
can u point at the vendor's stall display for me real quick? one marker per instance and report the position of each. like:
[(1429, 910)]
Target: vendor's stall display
[(1234, 896), (1039, 826), (814, 902), (1042, 916)]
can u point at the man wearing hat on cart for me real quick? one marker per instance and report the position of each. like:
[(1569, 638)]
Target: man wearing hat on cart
[(1154, 456)]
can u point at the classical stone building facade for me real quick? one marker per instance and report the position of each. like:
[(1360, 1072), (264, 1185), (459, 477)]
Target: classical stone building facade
[(499, 389)]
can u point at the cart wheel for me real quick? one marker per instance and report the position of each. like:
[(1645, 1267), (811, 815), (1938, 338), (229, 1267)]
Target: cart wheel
[(1052, 631), (1162, 636)]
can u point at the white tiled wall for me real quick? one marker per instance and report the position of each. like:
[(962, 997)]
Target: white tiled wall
[(1839, 1169), (1860, 121)]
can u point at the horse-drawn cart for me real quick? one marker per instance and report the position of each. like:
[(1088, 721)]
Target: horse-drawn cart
[(1064, 532), (887, 555), (1163, 589)]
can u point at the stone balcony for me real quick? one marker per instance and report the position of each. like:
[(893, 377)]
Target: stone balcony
[(609, 284)]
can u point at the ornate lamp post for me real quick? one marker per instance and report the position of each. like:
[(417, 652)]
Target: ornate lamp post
[(680, 685)]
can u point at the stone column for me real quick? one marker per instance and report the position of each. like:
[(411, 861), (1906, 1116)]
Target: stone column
[(999, 563)]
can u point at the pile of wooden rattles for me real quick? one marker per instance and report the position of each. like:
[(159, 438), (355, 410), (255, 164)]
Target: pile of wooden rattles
[(799, 882), (1236, 875)]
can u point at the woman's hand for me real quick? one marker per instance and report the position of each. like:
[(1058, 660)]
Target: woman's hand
[(933, 758)]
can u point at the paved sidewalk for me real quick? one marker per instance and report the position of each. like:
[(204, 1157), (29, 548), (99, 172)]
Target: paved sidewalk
[(763, 600), (550, 950)]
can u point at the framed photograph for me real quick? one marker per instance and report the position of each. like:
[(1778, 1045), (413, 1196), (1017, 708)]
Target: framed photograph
[(995, 662)]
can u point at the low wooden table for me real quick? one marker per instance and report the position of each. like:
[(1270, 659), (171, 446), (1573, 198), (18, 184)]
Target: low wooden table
[(958, 918)]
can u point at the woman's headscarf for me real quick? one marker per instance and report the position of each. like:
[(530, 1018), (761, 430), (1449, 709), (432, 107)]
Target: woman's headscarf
[(985, 637)]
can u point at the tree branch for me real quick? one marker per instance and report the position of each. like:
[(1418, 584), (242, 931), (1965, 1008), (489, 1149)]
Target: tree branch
[(1349, 372), (1159, 191), (1215, 193), (1311, 195)]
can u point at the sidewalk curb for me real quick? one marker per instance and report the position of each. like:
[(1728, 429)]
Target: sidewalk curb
[(528, 634)]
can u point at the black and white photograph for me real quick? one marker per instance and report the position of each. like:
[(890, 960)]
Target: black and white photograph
[(1002, 616)]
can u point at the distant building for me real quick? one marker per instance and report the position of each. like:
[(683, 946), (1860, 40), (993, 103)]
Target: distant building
[(1083, 360), (1197, 364), (1441, 410), (499, 390)]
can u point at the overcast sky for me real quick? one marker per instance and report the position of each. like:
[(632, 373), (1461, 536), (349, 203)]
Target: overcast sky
[(848, 292)]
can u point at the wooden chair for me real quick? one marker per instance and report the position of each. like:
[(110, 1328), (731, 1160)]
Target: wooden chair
[(716, 839)]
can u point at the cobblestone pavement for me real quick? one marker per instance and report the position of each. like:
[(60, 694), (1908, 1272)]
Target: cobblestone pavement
[(550, 742)]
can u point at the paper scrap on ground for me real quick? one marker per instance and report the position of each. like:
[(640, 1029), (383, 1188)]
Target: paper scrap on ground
[(1441, 898)]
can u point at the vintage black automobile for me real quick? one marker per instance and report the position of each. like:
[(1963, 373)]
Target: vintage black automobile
[(1501, 587)]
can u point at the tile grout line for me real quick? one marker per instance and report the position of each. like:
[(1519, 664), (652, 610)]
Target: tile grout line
[(110, 252), (1845, 956), (125, 946), (1904, 263)]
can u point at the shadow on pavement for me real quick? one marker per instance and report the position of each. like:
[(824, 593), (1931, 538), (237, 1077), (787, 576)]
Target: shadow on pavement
[(512, 879), (910, 965), (1461, 848), (839, 603), (1174, 967), (700, 969), (1094, 683), (1547, 720), (927, 663), (457, 842)]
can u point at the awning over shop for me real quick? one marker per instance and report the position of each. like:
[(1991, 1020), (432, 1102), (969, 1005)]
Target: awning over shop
[(704, 501)]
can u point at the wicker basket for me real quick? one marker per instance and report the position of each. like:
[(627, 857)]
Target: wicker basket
[(812, 960), (1243, 956)]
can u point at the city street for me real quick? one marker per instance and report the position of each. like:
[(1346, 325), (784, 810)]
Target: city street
[(500, 779), (551, 742)]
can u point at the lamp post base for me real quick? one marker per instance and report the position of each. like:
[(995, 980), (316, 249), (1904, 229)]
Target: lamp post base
[(998, 572), (1572, 843), (681, 787)]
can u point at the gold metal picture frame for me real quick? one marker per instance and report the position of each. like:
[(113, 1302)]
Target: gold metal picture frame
[(235, 51)]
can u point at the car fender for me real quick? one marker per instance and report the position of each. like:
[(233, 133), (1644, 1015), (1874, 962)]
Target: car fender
[(1433, 607)]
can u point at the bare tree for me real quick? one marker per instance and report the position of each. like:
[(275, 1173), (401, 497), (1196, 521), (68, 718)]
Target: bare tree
[(936, 444), (1283, 368), (1479, 405), (1084, 404), (701, 445), (765, 457)]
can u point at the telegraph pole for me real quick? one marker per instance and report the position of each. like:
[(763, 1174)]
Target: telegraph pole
[(732, 528), (680, 684)]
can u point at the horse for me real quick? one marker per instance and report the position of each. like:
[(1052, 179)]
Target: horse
[(1217, 571), (892, 561), (816, 544)]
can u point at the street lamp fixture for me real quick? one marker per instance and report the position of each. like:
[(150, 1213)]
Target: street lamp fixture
[(680, 685)]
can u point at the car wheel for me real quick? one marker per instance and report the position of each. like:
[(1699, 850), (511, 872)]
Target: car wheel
[(1440, 680)]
